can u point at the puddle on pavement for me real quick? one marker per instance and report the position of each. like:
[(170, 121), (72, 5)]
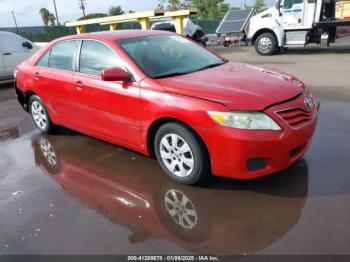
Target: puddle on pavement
[(10, 133), (120, 197), (132, 191)]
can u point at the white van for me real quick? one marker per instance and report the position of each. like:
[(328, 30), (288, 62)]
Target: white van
[(14, 49)]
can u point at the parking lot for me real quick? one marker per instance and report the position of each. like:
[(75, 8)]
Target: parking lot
[(71, 194)]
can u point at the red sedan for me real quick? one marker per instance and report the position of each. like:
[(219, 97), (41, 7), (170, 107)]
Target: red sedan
[(162, 95)]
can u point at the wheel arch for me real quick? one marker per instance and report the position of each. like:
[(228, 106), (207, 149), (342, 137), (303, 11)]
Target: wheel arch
[(263, 31), (260, 32), (23, 97), (27, 95), (152, 130)]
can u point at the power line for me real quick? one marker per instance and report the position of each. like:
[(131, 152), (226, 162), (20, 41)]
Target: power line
[(82, 4), (54, 4), (14, 19)]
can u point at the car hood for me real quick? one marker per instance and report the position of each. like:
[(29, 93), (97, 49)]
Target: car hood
[(238, 86)]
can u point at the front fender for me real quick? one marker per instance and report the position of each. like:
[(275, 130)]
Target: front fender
[(279, 32), (188, 110)]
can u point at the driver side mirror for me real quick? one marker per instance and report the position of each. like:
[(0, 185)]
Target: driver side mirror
[(279, 10), (115, 74), (279, 6), (27, 45)]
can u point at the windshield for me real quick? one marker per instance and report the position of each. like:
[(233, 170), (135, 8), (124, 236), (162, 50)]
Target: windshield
[(168, 55)]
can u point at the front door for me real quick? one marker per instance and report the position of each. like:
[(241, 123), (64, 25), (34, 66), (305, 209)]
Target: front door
[(293, 14), (108, 110)]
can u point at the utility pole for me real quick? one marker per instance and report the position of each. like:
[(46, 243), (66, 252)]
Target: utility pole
[(54, 4), (14, 19), (82, 4)]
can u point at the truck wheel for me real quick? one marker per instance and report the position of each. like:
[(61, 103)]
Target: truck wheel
[(266, 44)]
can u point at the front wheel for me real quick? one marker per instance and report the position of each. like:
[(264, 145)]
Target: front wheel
[(181, 155), (266, 44)]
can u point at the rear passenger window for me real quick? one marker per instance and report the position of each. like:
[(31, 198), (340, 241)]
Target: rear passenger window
[(62, 56), (44, 60), (96, 56)]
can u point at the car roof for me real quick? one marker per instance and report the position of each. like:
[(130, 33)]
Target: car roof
[(116, 35), (6, 33)]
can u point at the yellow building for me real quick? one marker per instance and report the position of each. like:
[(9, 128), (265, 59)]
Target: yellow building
[(142, 17)]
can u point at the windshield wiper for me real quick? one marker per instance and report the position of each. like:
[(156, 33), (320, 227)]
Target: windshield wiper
[(212, 65), (189, 72), (170, 75)]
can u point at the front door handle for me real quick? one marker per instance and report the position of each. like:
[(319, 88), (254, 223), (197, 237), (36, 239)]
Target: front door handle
[(7, 53), (36, 75)]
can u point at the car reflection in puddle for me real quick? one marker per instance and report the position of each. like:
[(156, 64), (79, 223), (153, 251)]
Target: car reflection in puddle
[(221, 217)]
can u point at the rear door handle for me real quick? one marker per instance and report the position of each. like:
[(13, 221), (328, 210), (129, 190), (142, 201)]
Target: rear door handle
[(79, 85), (7, 53)]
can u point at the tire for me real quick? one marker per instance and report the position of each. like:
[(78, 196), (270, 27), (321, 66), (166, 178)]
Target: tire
[(266, 44), (187, 162), (40, 115)]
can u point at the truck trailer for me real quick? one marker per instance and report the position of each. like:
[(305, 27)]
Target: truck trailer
[(295, 23)]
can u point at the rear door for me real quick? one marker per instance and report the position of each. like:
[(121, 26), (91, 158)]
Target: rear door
[(53, 77), (108, 110)]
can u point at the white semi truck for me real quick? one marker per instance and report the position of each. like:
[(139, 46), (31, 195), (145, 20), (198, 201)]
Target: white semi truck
[(294, 23)]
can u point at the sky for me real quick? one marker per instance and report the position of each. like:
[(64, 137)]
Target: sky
[(27, 11)]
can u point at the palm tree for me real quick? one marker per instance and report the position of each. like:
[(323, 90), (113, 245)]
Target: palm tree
[(115, 10), (45, 16), (52, 19)]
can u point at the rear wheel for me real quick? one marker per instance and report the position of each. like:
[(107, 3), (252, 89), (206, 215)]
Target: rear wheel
[(266, 44), (40, 116), (181, 155)]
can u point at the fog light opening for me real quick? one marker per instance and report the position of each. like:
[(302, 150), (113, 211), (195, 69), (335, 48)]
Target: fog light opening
[(254, 164)]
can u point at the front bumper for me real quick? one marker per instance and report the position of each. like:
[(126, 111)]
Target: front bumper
[(249, 154)]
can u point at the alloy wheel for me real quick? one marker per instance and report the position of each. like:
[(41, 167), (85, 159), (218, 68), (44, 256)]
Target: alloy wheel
[(176, 155), (265, 45), (39, 115)]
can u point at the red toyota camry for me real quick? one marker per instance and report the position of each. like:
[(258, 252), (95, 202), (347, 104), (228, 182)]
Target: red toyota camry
[(162, 95)]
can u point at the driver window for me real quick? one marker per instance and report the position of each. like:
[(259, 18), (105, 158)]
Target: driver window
[(288, 4), (96, 56)]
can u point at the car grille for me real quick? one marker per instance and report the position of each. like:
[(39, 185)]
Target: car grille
[(295, 117)]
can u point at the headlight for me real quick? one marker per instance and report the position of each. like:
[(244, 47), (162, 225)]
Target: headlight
[(244, 120)]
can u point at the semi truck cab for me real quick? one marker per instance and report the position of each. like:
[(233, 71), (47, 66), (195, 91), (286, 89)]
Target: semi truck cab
[(294, 23)]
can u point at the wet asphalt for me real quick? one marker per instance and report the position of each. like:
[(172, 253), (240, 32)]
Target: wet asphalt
[(72, 194)]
